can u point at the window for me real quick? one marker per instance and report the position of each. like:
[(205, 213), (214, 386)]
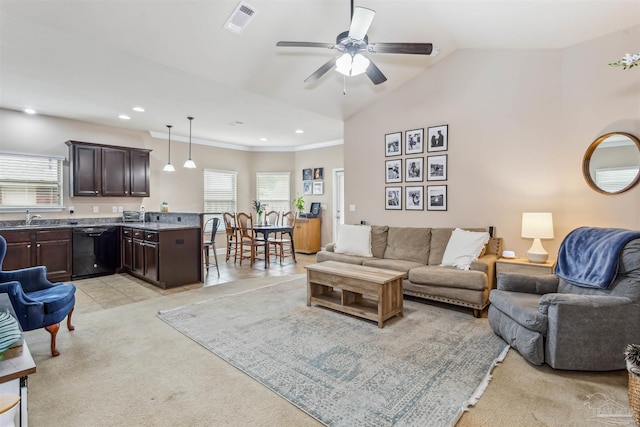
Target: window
[(220, 193), (28, 181), (273, 188)]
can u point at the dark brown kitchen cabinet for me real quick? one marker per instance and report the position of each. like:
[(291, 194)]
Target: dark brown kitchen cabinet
[(112, 171), (165, 258), (30, 248)]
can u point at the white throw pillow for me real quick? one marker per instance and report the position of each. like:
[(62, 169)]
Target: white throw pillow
[(463, 248), (354, 240)]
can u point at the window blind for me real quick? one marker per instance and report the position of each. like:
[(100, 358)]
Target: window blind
[(615, 179), (220, 193), (274, 189), (30, 181)]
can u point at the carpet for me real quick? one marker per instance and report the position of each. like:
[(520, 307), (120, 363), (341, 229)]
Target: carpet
[(423, 369)]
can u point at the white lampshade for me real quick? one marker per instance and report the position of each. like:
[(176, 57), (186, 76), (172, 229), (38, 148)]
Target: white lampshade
[(343, 64), (352, 65), (189, 164), (169, 168), (359, 65), (536, 226)]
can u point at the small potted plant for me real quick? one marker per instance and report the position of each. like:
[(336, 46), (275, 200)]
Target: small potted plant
[(164, 207), (632, 358), (259, 207), (299, 202)]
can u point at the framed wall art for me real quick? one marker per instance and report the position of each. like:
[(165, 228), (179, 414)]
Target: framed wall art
[(437, 168), (307, 174), (414, 140), (414, 170), (393, 171), (307, 187), (393, 144), (318, 173), (414, 198), (436, 197), (438, 138), (318, 187), (393, 198)]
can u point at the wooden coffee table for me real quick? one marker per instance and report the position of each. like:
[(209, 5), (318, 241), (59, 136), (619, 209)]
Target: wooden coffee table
[(367, 292)]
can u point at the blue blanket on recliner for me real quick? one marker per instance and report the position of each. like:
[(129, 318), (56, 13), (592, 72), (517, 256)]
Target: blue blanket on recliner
[(588, 256)]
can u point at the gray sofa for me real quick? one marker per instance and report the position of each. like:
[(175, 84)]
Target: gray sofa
[(549, 320), (418, 252)]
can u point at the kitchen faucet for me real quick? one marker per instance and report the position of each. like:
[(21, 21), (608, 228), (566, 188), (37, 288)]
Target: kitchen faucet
[(31, 218)]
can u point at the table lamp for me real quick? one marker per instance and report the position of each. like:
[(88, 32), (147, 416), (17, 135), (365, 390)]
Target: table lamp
[(536, 226)]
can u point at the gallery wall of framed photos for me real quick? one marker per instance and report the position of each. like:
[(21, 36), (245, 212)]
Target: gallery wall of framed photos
[(406, 162), (313, 181)]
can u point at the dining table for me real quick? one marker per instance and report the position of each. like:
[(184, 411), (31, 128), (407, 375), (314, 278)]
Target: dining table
[(268, 229)]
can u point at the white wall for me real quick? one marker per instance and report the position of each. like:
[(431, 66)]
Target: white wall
[(519, 123)]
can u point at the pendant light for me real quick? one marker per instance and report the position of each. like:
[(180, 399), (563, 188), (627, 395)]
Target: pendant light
[(190, 164), (169, 167)]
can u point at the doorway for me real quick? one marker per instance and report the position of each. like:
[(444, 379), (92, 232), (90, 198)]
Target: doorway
[(338, 200)]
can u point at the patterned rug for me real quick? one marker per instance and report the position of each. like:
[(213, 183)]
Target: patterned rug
[(423, 369)]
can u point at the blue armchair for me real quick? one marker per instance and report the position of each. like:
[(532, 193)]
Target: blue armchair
[(38, 303)]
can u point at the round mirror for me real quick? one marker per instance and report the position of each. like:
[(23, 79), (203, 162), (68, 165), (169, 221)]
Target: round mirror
[(611, 164)]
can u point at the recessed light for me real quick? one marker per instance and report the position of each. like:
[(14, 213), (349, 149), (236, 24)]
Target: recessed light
[(138, 109), (124, 117), (263, 139), (29, 111), (299, 131)]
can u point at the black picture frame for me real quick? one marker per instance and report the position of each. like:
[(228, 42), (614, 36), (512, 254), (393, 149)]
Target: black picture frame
[(437, 169), (436, 197), (393, 144), (318, 173), (414, 141), (438, 138), (414, 198), (393, 171), (414, 169), (393, 198), (307, 174)]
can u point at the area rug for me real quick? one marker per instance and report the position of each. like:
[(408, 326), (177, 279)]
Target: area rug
[(423, 369)]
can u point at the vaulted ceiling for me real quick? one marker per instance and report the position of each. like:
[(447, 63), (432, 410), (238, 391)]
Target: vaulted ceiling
[(94, 60)]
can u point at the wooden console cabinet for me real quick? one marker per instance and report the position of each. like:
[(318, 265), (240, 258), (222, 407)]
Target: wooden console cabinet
[(306, 236)]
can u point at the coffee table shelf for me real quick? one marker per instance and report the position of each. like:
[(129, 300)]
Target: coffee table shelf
[(366, 292)]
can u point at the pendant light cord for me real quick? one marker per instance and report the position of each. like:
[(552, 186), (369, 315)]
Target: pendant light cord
[(190, 119)]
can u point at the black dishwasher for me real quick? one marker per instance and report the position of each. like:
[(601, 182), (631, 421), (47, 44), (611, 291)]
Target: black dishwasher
[(95, 251)]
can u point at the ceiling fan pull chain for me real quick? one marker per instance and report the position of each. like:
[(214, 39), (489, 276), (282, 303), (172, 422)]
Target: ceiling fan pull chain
[(344, 84)]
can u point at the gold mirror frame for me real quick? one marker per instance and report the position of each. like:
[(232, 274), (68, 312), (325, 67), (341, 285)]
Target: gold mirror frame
[(586, 161)]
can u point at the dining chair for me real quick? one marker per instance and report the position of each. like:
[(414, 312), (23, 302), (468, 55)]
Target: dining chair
[(283, 243), (273, 217), (250, 245), (231, 235), (207, 244)]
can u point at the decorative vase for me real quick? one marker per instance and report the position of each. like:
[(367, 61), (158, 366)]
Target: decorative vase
[(164, 207), (260, 218)]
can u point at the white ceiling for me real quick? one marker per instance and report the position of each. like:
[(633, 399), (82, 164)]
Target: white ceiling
[(93, 60)]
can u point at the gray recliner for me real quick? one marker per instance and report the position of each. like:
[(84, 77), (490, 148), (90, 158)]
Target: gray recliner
[(549, 320)]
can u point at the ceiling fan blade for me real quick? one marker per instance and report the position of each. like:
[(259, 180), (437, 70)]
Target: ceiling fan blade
[(407, 48), (321, 71), (305, 44), (375, 74), (360, 22)]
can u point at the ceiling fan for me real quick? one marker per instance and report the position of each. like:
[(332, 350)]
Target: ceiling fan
[(353, 43)]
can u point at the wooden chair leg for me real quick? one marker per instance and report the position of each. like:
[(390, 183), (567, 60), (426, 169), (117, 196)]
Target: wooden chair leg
[(53, 330), (69, 325)]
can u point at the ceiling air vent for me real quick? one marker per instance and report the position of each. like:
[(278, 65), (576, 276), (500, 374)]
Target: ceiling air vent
[(240, 18)]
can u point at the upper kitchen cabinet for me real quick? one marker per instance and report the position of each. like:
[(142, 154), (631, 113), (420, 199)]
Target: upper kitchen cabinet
[(102, 170)]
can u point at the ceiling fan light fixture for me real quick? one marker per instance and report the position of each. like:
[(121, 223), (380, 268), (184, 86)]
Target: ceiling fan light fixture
[(352, 65)]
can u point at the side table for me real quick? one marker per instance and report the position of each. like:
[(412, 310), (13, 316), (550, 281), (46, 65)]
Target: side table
[(523, 266)]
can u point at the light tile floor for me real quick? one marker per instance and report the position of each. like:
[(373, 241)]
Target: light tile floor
[(104, 292)]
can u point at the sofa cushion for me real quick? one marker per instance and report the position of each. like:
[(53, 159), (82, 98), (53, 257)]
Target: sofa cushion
[(439, 239), (392, 264), (410, 244), (448, 277), (332, 256), (521, 307), (379, 240), (354, 240), (463, 248)]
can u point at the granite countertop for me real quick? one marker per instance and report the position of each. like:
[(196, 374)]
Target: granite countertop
[(156, 226)]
